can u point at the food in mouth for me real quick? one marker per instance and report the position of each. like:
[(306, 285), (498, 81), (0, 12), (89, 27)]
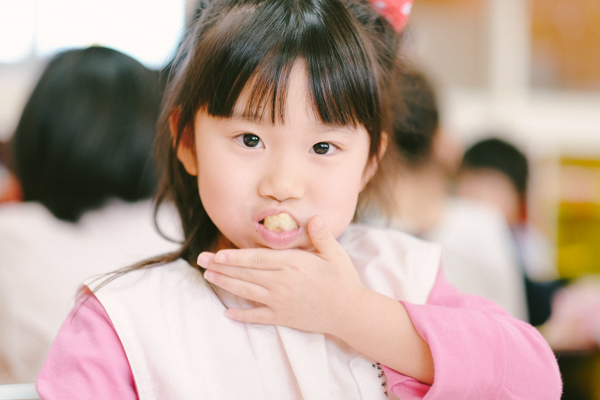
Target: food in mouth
[(280, 222)]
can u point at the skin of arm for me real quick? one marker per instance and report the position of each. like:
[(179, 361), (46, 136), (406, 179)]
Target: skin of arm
[(321, 292), (380, 327)]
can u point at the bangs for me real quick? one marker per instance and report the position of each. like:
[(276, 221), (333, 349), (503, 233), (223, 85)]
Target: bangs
[(254, 46)]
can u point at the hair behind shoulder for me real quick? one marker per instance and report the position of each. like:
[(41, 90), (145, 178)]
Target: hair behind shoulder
[(86, 132)]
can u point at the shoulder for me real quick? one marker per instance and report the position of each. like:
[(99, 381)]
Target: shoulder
[(128, 215), (165, 276), (392, 262), (372, 241), (141, 299), (16, 215), (25, 229), (472, 212), (87, 352), (467, 222), (163, 286)]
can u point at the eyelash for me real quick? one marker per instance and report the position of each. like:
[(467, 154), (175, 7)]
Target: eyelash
[(247, 139)]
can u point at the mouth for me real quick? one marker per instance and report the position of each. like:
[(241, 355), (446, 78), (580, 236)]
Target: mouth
[(281, 222)]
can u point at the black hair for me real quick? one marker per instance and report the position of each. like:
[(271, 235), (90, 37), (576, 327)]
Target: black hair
[(501, 156), (349, 52), (86, 132), (416, 116)]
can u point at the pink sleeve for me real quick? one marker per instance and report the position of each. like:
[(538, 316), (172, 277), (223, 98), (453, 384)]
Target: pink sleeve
[(479, 351), (87, 359)]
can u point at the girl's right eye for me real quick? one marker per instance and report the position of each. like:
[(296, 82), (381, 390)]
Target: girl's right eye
[(249, 140)]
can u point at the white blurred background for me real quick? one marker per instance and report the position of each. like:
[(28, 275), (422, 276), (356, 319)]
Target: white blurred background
[(32, 31)]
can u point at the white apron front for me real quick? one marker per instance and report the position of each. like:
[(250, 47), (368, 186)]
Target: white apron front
[(181, 346)]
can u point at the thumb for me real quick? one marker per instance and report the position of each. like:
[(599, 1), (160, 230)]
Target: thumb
[(321, 237)]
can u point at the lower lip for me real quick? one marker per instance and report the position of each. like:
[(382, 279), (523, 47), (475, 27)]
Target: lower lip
[(279, 239)]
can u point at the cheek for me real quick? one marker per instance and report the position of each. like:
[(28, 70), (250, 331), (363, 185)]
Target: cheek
[(222, 198), (219, 184), (340, 195)]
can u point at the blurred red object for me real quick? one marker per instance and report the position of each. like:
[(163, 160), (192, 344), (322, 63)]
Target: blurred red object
[(395, 11), (10, 189)]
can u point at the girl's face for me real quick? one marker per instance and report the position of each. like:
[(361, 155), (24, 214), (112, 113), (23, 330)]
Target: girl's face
[(249, 170)]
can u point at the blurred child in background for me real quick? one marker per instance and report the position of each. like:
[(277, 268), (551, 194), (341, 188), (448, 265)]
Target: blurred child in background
[(82, 152), (477, 251), (496, 172), (567, 314)]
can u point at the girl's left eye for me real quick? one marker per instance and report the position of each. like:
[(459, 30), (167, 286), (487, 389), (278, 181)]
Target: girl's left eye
[(324, 148)]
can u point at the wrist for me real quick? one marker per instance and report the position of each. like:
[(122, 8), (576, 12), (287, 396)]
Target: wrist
[(355, 316), (380, 328)]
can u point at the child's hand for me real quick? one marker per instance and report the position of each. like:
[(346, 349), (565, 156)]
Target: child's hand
[(299, 289), (321, 292)]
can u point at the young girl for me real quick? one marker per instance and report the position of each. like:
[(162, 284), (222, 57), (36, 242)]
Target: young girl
[(273, 129)]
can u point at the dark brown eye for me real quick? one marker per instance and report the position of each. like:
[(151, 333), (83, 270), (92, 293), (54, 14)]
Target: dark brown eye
[(321, 148), (251, 140)]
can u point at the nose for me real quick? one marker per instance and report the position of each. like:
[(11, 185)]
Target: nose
[(283, 179)]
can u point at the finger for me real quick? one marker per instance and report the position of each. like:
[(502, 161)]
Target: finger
[(263, 259), (321, 238), (237, 287), (251, 275), (257, 315), (205, 258)]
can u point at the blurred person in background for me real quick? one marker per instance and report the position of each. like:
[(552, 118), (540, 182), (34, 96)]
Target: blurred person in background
[(574, 324), (475, 239), (566, 313), (497, 172), (82, 152)]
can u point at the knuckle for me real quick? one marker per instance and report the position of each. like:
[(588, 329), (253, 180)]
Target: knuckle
[(241, 273), (322, 235), (257, 261)]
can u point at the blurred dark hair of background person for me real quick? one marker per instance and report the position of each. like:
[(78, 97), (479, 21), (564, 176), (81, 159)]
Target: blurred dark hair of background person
[(500, 162), (416, 117), (87, 131)]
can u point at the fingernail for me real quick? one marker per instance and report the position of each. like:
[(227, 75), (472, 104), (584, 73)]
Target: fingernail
[(319, 223), (203, 260), (220, 258), (209, 275)]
